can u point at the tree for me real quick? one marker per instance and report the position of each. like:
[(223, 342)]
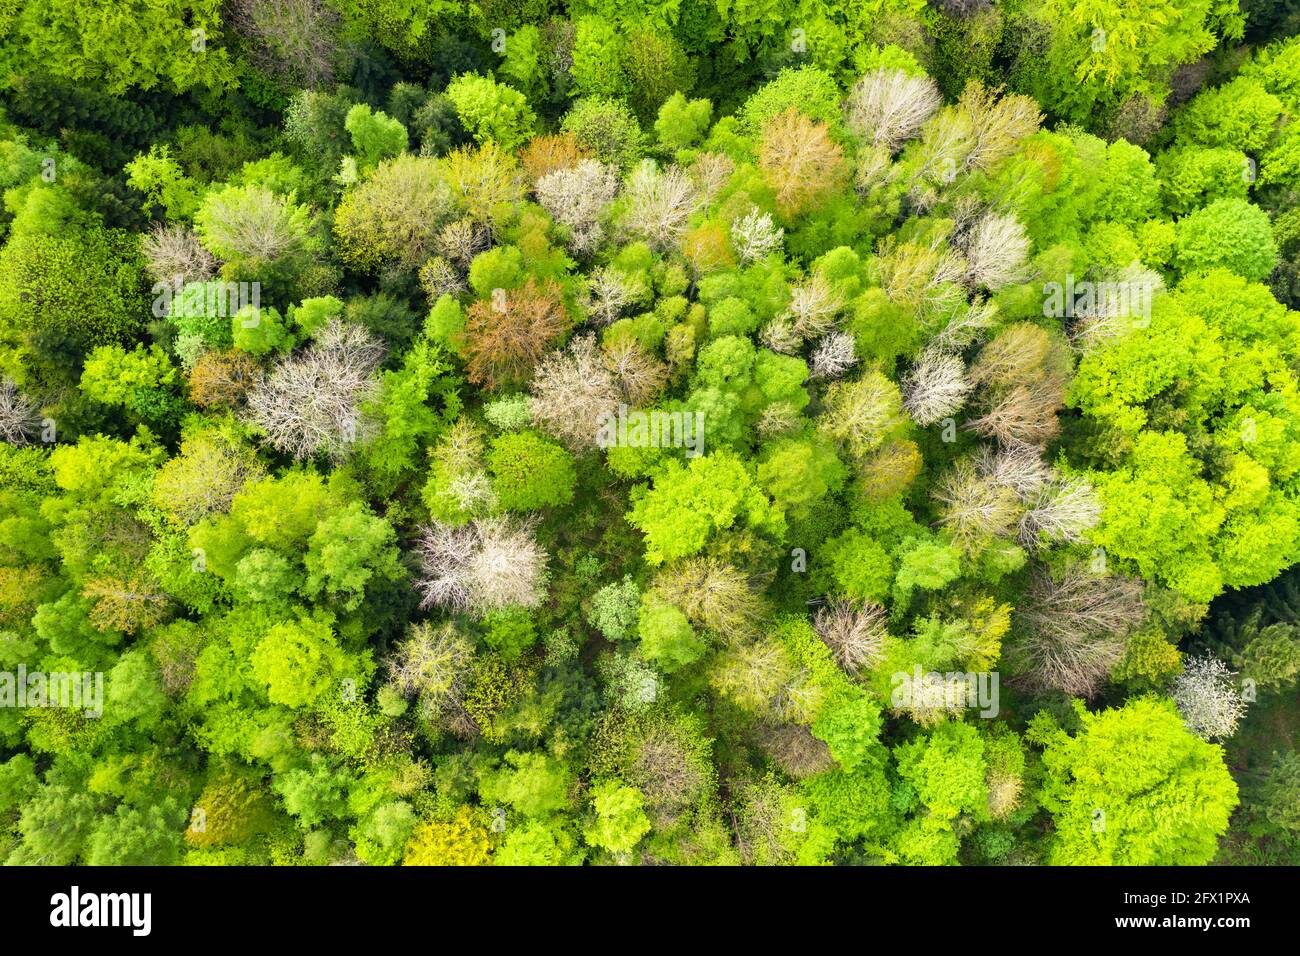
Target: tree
[(205, 477), (888, 107), (862, 413), (296, 662), (460, 841), (578, 197), (491, 111), (482, 566), (1070, 632), (800, 161), (81, 46), (530, 472), (394, 215), (251, 225), (854, 633), (1228, 233), (687, 504), (1134, 787), (657, 204), (350, 553), (1205, 695), (310, 403), (532, 783), (620, 820), (681, 122), (505, 337), (667, 638)]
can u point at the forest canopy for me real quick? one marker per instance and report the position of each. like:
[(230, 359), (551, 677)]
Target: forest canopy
[(695, 432)]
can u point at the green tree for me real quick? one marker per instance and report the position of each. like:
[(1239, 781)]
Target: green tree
[(1134, 787)]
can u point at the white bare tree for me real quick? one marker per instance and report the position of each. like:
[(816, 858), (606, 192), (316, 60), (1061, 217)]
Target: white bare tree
[(855, 634), (1060, 511), (610, 292), (572, 392), (659, 203), (814, 306), (481, 566), (310, 402), (935, 387), (968, 326), (834, 355), (1208, 698), (887, 107), (18, 418), (1072, 629), (433, 661), (996, 251), (579, 198), (755, 236), (174, 252), (975, 508)]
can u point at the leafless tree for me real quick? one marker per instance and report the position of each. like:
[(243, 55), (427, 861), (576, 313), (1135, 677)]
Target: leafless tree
[(779, 418), (572, 392), (610, 292), (460, 241), (1061, 511), (659, 203), (935, 387), (855, 634), (254, 223), (664, 771), (968, 326), (579, 198), (1208, 699), (975, 508), (861, 413), (814, 306), (640, 375), (887, 107), (479, 567), (755, 236), (174, 252), (834, 355), (18, 418), (1125, 299), (779, 335), (1021, 374), (310, 402), (710, 173), (433, 661), (1024, 414), (996, 252), (794, 749), (1018, 468), (1070, 631)]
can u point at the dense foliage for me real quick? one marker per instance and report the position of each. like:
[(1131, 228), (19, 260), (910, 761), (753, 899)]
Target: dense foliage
[(688, 432)]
